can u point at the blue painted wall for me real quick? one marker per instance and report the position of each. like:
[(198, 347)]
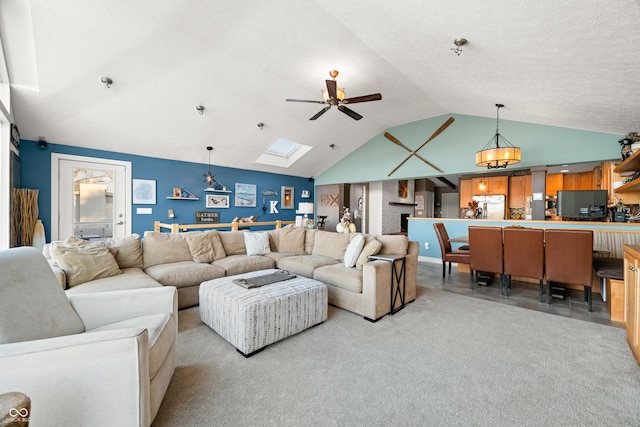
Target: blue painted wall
[(453, 151), (35, 172)]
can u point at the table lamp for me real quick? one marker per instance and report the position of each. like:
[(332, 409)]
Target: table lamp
[(306, 209)]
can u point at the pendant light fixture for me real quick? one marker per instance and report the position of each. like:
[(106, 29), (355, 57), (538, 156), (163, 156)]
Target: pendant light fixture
[(494, 155), (208, 177)]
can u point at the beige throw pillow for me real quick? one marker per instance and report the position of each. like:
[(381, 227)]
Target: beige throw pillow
[(129, 251), (291, 240), (83, 263), (372, 247), (200, 247)]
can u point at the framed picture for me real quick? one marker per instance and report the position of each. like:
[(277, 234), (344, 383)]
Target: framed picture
[(15, 136), (245, 195), (287, 197), (144, 191), (217, 201)]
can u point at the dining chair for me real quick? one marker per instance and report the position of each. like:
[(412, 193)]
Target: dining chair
[(524, 255), (458, 256), (486, 252), (568, 256)]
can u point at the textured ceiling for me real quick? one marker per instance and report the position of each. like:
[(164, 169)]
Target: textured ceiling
[(571, 64)]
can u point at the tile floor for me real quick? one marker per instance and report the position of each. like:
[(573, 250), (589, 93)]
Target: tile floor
[(522, 294)]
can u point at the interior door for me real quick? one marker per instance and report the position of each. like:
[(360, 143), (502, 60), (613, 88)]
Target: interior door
[(93, 198)]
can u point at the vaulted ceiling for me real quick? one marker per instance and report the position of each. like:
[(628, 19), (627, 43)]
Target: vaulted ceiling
[(572, 64)]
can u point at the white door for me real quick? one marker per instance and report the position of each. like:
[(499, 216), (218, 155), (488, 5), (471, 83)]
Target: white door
[(91, 197)]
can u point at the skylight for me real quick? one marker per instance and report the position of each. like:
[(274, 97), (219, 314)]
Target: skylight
[(283, 153)]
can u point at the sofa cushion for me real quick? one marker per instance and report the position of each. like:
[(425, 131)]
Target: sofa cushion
[(162, 333), (309, 238), (291, 240), (393, 244), (86, 262), (239, 264), (305, 264), (353, 250), (256, 243), (32, 304), (233, 242), (340, 276), (371, 247), (129, 253), (184, 273), (131, 278), (164, 248), (330, 244)]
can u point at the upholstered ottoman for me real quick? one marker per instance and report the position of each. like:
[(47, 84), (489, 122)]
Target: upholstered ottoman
[(251, 319)]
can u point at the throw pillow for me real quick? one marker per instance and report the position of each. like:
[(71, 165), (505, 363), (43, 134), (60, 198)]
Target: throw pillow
[(129, 251), (218, 249), (353, 251), (370, 248), (330, 244), (256, 243), (87, 262), (200, 247), (233, 242), (291, 240)]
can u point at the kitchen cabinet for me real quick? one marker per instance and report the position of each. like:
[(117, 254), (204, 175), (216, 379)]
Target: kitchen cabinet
[(466, 192), (629, 193), (493, 185), (516, 191), (631, 297), (585, 181), (569, 181), (528, 191), (553, 183)]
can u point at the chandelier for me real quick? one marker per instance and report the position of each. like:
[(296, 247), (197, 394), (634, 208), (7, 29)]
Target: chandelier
[(494, 155)]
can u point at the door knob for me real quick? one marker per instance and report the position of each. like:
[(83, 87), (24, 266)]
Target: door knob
[(120, 223)]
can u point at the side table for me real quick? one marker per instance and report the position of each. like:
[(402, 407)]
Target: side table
[(395, 277)]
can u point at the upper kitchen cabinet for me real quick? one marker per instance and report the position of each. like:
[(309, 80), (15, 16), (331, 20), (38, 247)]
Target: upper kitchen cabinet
[(466, 192), (553, 183), (492, 185), (517, 191)]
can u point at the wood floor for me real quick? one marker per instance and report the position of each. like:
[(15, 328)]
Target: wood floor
[(521, 295)]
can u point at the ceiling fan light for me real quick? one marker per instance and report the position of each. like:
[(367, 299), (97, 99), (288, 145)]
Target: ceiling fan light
[(339, 93)]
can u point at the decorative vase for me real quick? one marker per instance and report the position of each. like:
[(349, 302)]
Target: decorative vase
[(38, 235)]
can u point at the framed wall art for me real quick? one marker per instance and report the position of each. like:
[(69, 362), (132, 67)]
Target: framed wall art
[(287, 197), (245, 195), (217, 201), (143, 191)]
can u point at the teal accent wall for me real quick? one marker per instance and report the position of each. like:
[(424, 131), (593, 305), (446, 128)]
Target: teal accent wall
[(35, 172), (453, 151)]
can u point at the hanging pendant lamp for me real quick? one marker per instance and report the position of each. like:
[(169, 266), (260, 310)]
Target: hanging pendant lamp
[(208, 177), (494, 155)]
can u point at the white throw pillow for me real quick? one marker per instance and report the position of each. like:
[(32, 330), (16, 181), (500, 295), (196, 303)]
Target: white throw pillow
[(353, 251), (256, 243)]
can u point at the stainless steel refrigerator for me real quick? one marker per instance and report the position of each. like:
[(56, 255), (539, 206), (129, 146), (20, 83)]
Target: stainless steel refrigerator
[(493, 207)]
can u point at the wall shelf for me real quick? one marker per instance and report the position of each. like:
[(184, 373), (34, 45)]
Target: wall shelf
[(630, 164), (182, 198), (213, 190), (401, 204)]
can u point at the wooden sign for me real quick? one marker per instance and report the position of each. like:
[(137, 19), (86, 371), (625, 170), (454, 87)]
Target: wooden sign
[(206, 216)]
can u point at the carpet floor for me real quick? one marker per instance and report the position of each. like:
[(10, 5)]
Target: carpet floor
[(444, 360)]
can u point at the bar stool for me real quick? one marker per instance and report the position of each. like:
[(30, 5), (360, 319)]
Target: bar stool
[(568, 258), (486, 253), (524, 255)]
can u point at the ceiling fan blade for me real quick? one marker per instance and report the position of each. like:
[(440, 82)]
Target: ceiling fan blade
[(331, 88), (350, 113), (321, 112), (304, 100), (364, 98)]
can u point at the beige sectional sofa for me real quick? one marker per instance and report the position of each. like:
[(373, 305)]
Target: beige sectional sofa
[(187, 259)]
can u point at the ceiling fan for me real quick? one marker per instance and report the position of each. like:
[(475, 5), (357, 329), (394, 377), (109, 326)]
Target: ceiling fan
[(333, 95)]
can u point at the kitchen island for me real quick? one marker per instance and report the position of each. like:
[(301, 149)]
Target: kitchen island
[(607, 236)]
